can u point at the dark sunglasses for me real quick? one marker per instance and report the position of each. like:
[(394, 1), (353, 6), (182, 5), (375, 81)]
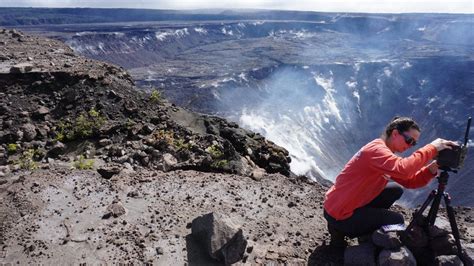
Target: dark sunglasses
[(409, 140)]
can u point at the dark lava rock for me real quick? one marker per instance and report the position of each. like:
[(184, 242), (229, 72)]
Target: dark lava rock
[(57, 149), (223, 240), (396, 257), (108, 171), (444, 245), (388, 240), (115, 210), (363, 254)]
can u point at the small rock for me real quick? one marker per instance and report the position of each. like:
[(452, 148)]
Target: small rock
[(29, 132), (159, 251), (388, 240), (401, 256), (257, 174), (115, 209), (451, 260), (105, 142), (169, 161), (41, 112), (108, 171), (21, 68), (57, 149), (4, 170)]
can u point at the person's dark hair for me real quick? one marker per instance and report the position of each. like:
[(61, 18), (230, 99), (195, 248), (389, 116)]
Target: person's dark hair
[(402, 124)]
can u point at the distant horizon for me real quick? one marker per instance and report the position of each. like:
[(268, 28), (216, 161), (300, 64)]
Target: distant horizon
[(324, 6), (238, 9)]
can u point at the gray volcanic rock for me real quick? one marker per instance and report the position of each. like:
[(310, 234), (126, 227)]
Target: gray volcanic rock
[(115, 209), (223, 240), (397, 257), (29, 132), (451, 260), (388, 240), (363, 254)]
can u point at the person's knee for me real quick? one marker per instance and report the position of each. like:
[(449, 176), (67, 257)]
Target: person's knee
[(398, 192)]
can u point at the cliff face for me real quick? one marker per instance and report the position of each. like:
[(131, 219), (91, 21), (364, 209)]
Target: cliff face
[(57, 105)]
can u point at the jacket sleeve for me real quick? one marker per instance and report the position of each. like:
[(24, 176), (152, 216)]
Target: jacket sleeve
[(406, 170), (421, 179)]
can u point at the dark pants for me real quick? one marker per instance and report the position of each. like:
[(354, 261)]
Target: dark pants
[(372, 216)]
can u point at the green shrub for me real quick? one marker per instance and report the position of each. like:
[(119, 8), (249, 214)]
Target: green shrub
[(84, 126), (26, 160), (83, 164), (220, 164), (182, 145), (155, 96), (215, 151), (12, 148), (130, 123)]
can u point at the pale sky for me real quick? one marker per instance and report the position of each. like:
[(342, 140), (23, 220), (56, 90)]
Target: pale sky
[(370, 6)]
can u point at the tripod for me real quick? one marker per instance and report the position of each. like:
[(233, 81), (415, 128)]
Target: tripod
[(436, 196)]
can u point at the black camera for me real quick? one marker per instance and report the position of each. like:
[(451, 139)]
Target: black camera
[(454, 158)]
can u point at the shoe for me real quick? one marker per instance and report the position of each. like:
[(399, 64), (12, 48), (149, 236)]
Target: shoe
[(337, 237)]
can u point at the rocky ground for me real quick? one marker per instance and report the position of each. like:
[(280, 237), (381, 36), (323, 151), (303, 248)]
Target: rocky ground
[(61, 216), (57, 216), (55, 105), (93, 171)]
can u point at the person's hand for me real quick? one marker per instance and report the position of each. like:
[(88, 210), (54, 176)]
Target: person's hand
[(441, 144), (433, 166)]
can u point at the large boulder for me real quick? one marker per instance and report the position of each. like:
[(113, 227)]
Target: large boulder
[(363, 254), (396, 257), (223, 240)]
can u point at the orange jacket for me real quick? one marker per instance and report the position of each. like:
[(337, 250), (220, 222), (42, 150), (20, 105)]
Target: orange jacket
[(367, 173)]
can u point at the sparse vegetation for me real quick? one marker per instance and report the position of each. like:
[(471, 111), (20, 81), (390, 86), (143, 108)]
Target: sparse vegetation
[(85, 126), (155, 96), (130, 123), (83, 164), (180, 144), (166, 136), (215, 151), (220, 164), (26, 160), (12, 148)]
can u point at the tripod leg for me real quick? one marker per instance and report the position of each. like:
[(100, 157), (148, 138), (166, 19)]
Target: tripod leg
[(434, 208), (419, 213), (454, 229)]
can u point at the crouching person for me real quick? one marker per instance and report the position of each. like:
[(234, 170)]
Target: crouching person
[(358, 203)]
